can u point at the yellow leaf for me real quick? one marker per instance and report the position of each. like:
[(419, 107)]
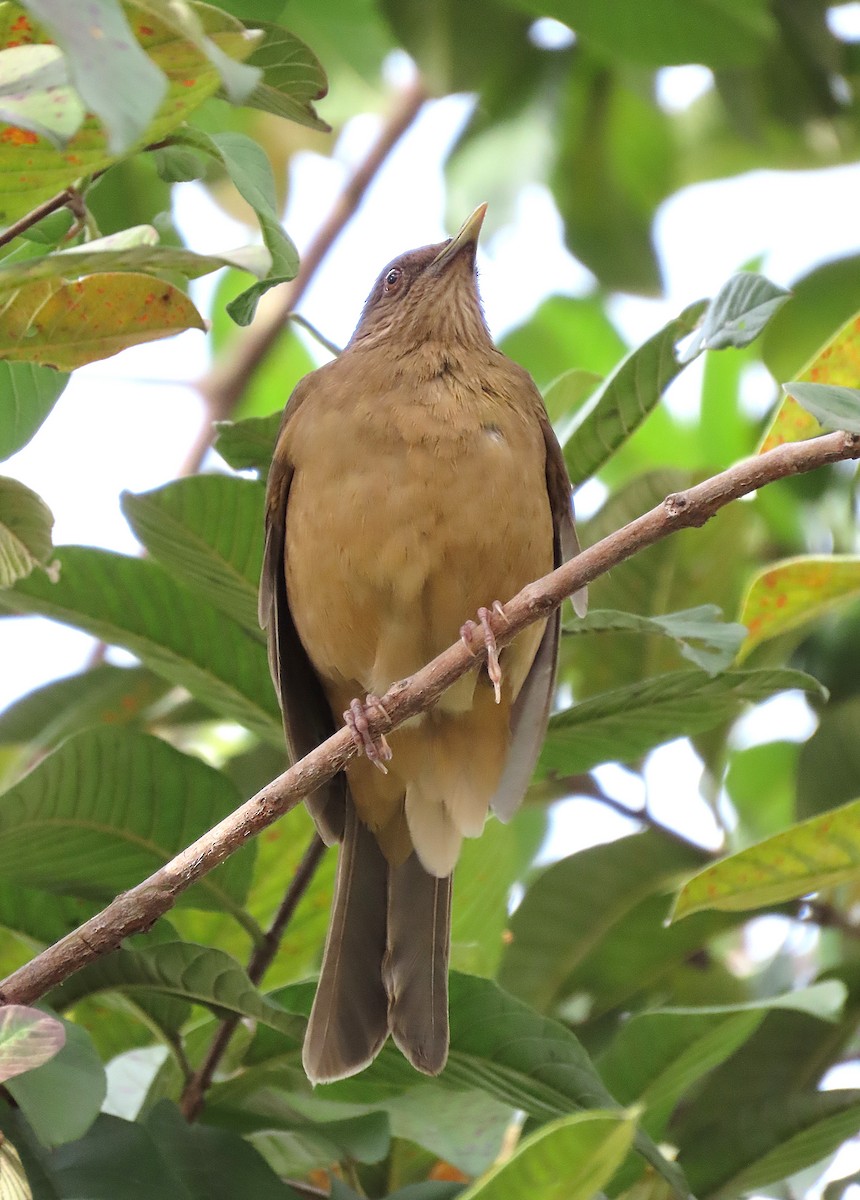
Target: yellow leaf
[(816, 854), (65, 325), (793, 592), (837, 362)]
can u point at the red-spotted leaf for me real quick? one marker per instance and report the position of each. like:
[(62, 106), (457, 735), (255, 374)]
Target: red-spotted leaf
[(31, 168), (28, 1038), (794, 592), (65, 325), (120, 84), (35, 93), (815, 854), (837, 363)]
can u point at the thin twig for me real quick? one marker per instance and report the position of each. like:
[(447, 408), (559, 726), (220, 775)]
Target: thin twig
[(67, 198), (560, 787), (199, 1083), (140, 907), (224, 384)]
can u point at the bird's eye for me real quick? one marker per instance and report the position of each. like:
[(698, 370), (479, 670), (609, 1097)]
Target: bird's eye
[(392, 280)]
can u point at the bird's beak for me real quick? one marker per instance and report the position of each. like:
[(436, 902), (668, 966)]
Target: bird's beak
[(468, 236)]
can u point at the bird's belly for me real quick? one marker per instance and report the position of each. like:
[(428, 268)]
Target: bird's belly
[(387, 557)]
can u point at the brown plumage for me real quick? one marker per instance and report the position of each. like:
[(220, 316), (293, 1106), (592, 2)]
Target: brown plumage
[(416, 479)]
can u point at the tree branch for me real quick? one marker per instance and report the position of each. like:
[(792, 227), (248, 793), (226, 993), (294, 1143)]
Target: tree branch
[(226, 381), (140, 907), (197, 1086)]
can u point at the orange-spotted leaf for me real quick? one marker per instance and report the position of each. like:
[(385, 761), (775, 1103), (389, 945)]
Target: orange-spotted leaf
[(833, 407), (837, 362), (813, 855), (31, 169), (793, 592), (65, 325)]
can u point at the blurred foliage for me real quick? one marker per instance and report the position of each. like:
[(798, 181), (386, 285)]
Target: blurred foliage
[(584, 997)]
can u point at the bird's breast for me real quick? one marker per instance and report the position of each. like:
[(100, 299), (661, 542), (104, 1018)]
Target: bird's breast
[(408, 510)]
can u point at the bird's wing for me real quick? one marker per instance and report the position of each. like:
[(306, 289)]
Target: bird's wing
[(307, 716), (530, 711)]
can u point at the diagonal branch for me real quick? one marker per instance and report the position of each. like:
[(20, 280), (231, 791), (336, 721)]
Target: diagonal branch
[(226, 381), (140, 907)]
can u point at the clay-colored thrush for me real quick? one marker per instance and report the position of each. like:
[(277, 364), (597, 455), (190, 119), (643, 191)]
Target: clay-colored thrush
[(416, 480)]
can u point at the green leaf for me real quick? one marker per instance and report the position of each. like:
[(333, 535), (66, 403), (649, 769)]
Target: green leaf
[(134, 603), (185, 18), (249, 444), (512, 1053), (834, 407), (565, 333), (28, 1038), (759, 1118), (701, 634), (627, 396), (100, 695), (827, 766), (816, 854), (822, 301), (66, 325), (216, 1163), (791, 593), (43, 1095), (134, 249), (109, 808), (615, 163), (249, 169), (737, 315), (656, 1057), (30, 393), (292, 77), (208, 532), (556, 926), (196, 974), (622, 725), (31, 169), (487, 869), (305, 1146), (569, 1159), (115, 1159), (115, 78), (718, 33), (25, 533)]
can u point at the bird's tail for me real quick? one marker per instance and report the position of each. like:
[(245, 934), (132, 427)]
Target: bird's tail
[(385, 966)]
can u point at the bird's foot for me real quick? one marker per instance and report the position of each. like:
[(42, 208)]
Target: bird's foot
[(467, 634), (376, 748)]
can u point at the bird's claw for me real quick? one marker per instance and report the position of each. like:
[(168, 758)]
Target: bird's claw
[(467, 632), (375, 748)]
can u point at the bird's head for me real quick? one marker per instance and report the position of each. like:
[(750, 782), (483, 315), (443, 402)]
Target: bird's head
[(429, 294)]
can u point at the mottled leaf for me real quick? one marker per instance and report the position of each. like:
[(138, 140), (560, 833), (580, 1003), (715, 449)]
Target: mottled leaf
[(793, 592), (66, 325), (816, 854)]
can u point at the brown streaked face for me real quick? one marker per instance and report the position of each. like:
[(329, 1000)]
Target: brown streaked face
[(428, 294)]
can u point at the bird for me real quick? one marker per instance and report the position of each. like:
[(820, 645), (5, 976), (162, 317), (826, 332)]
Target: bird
[(416, 480)]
